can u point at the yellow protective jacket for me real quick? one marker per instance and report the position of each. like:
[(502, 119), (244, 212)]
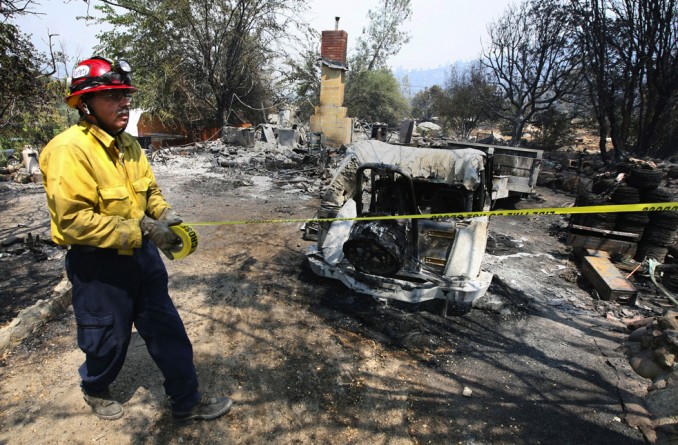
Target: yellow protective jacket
[(98, 188)]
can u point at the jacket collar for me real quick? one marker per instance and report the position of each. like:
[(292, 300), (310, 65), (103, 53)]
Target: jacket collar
[(106, 139)]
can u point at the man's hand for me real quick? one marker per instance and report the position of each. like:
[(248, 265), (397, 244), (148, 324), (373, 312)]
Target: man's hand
[(170, 218), (160, 233)]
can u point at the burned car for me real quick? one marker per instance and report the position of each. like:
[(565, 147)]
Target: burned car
[(396, 251)]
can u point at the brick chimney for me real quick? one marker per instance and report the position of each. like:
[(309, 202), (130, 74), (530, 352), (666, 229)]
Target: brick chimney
[(333, 44), (330, 115)]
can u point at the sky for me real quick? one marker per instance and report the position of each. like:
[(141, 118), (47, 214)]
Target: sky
[(442, 31)]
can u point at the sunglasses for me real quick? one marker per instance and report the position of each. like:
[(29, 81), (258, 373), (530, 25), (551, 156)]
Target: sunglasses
[(116, 96)]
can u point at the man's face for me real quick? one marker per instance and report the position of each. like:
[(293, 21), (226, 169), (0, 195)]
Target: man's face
[(111, 108)]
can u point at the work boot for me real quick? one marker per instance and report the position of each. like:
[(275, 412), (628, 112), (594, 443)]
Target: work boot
[(103, 405), (207, 409)]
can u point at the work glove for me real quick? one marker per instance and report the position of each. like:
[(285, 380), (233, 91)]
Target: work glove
[(160, 233), (170, 217)]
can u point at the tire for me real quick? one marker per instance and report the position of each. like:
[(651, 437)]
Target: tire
[(664, 219), (602, 186), (376, 247), (625, 194), (586, 198), (660, 194), (645, 179), (670, 281), (646, 250), (659, 236)]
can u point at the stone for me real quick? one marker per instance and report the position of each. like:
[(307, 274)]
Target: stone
[(637, 335), (646, 339), (669, 321), (671, 337), (643, 364), (643, 322), (664, 402), (664, 357)]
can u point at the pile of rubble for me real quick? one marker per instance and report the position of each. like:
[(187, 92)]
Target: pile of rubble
[(653, 348), (21, 167), (572, 171), (296, 166)]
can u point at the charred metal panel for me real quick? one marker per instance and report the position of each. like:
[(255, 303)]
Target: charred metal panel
[(468, 250), (435, 243)]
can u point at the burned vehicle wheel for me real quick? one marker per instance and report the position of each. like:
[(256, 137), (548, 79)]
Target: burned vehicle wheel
[(376, 247)]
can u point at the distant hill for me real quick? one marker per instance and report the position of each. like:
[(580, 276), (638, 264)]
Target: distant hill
[(426, 78)]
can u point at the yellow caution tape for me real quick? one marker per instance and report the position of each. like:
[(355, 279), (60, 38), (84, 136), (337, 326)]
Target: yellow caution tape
[(189, 241), (646, 207)]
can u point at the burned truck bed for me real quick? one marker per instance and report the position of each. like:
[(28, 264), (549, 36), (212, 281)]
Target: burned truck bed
[(399, 251), (515, 169)]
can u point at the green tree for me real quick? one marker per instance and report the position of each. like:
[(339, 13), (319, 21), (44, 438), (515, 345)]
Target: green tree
[(375, 96), (19, 76), (202, 62), (383, 37), (554, 129), (29, 97), (372, 92), (470, 99), (303, 73), (428, 103)]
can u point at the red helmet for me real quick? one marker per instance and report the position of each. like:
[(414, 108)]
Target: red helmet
[(99, 74)]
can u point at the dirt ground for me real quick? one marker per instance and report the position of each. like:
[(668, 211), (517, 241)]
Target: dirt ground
[(308, 361)]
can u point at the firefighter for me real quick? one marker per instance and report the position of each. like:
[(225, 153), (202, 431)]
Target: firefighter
[(105, 205)]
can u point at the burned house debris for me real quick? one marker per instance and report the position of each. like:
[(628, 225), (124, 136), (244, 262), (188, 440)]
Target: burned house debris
[(408, 259)]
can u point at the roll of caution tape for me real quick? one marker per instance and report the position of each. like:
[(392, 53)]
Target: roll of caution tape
[(189, 241)]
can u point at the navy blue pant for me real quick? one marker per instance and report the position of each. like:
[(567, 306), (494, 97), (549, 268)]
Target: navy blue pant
[(110, 293)]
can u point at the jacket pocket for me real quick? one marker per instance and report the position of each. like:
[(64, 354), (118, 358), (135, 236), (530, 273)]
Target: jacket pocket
[(95, 334), (141, 187), (114, 201)]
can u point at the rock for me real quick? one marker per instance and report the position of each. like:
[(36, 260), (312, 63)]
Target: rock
[(635, 324), (658, 384), (643, 364), (11, 240), (467, 392), (664, 403), (646, 339), (637, 335), (668, 321), (671, 337), (667, 433), (664, 357)]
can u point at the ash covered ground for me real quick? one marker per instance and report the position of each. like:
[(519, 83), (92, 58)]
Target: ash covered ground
[(538, 360)]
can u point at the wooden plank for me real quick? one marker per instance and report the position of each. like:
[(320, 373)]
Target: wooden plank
[(592, 231), (608, 280), (609, 245)]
